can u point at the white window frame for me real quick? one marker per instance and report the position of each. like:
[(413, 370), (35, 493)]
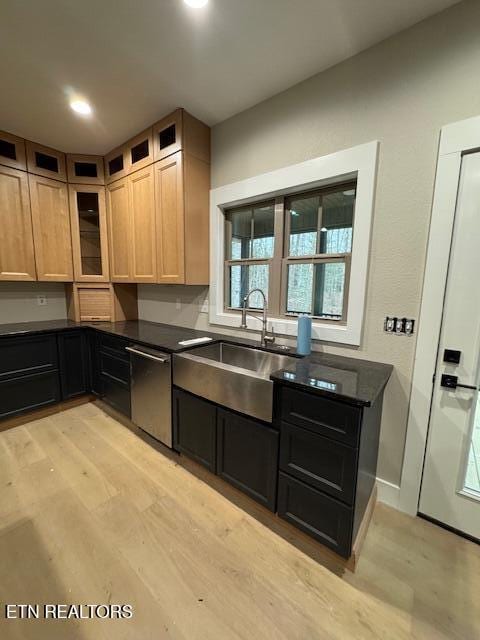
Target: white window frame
[(357, 163)]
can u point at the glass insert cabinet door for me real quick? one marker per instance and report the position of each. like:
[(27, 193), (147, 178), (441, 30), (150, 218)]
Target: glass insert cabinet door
[(89, 238)]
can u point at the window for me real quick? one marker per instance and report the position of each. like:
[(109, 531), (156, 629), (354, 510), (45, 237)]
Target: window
[(296, 249)]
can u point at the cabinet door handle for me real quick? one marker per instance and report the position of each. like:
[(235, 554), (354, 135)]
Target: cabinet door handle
[(149, 356)]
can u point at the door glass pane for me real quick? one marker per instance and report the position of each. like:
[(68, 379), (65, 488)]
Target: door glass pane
[(329, 289), (337, 221), (303, 212), (89, 224), (263, 235), (244, 278), (300, 285), (472, 478)]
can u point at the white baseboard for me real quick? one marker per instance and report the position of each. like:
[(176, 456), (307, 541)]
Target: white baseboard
[(388, 493)]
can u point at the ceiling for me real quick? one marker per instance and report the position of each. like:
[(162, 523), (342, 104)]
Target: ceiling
[(137, 60)]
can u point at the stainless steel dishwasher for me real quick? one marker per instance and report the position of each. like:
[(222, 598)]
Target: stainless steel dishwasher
[(151, 392)]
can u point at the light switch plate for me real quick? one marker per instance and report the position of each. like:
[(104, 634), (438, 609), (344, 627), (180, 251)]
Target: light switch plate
[(41, 300)]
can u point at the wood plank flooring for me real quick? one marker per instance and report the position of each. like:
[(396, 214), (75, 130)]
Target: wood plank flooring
[(91, 513)]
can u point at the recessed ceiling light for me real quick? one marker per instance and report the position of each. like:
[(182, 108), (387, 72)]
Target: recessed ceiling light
[(81, 107), (196, 4)]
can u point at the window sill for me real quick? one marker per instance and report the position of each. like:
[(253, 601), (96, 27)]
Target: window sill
[(325, 331)]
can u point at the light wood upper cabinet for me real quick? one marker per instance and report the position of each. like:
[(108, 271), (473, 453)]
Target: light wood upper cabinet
[(182, 185), (85, 169), (17, 258), (170, 219), (51, 229), (142, 221), (116, 164), (181, 131), (46, 162), (12, 151), (88, 221), (118, 216), (140, 151)]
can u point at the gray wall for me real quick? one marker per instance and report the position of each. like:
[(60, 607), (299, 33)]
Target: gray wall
[(18, 301), (400, 92)]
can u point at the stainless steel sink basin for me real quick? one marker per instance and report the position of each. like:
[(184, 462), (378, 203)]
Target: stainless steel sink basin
[(233, 376)]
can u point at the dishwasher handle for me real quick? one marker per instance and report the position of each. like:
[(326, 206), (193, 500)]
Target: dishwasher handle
[(149, 356)]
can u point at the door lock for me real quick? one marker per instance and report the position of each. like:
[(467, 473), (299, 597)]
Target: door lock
[(451, 382)]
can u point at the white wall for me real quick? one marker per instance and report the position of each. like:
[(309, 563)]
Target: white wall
[(400, 92), (18, 301)]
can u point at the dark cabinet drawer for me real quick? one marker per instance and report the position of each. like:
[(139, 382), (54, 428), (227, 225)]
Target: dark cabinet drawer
[(319, 515), (247, 455), (72, 348), (333, 419), (115, 368), (113, 345), (194, 428), (31, 392), (116, 395), (24, 355), (320, 462)]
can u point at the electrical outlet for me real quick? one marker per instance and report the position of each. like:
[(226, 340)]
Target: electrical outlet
[(178, 304), (41, 300), (204, 306)]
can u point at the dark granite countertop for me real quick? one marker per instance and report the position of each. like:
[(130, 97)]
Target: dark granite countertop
[(353, 380)]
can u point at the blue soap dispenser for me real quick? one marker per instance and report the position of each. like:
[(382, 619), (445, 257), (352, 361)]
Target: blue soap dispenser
[(304, 335)]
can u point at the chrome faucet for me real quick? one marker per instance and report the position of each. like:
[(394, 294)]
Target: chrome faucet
[(265, 338)]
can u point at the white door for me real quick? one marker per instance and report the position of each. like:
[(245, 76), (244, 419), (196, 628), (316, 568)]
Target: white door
[(451, 478)]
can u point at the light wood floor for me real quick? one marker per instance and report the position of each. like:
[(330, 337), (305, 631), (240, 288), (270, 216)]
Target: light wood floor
[(92, 513)]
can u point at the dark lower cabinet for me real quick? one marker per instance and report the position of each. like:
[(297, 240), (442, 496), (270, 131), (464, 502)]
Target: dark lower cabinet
[(321, 462), (319, 515), (194, 428), (74, 363), (94, 363), (247, 456), (114, 372), (29, 377), (27, 393)]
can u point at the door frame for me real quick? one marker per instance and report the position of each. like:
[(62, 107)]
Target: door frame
[(456, 139)]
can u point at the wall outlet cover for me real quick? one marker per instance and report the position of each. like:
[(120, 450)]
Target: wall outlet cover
[(204, 306), (41, 300)]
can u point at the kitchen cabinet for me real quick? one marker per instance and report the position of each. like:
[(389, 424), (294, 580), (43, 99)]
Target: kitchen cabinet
[(116, 164), (131, 227), (46, 162), (180, 131), (17, 255), (182, 185), (51, 229), (88, 220), (29, 377), (99, 302), (118, 216), (114, 366), (12, 151), (94, 362), (328, 461), (194, 428), (83, 169), (74, 363), (247, 456), (140, 151), (142, 241)]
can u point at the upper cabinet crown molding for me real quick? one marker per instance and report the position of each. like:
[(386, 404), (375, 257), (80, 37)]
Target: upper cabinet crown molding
[(180, 131), (140, 151), (83, 169), (47, 162), (12, 151)]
